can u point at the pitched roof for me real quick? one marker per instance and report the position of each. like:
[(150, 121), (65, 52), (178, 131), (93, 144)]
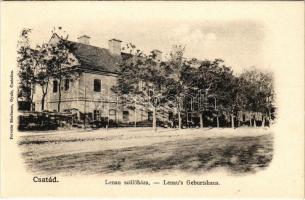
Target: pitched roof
[(95, 58)]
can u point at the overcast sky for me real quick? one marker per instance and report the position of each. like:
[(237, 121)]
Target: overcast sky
[(238, 41)]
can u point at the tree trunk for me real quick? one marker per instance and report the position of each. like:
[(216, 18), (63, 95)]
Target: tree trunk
[(263, 122), (232, 121), (44, 94), (42, 102), (254, 123), (135, 115), (269, 112), (154, 120), (201, 120), (250, 122), (179, 119), (32, 95), (59, 95), (217, 120)]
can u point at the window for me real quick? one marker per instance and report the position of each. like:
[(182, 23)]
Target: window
[(97, 85), (55, 86), (170, 116), (150, 116), (96, 115), (67, 81), (126, 116)]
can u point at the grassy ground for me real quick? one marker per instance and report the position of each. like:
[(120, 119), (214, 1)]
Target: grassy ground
[(133, 151)]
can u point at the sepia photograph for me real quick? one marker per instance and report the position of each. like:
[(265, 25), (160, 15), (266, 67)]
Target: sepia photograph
[(158, 112), (138, 90)]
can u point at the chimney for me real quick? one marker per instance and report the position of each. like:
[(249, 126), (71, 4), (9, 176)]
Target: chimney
[(84, 39), (114, 46), (158, 55)]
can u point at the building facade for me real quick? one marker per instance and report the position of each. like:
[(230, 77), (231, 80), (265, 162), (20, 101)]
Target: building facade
[(89, 92)]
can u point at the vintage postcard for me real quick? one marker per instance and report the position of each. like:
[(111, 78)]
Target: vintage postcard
[(152, 99)]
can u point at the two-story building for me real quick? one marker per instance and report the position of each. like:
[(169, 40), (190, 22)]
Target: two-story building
[(90, 92)]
